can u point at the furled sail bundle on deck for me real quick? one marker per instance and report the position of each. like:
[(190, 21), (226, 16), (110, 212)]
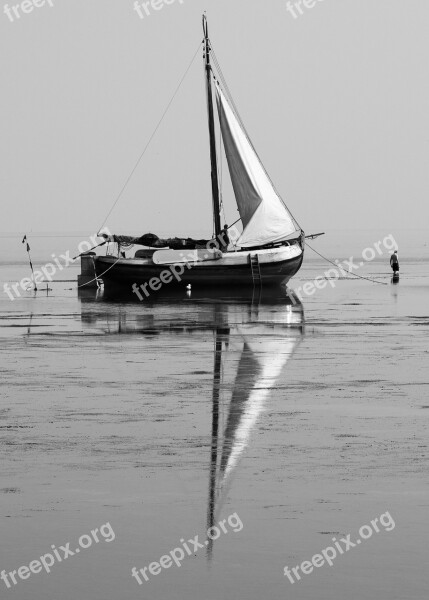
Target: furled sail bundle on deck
[(265, 218)]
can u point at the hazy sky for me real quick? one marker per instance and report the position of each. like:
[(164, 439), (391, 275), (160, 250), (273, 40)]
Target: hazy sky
[(336, 102)]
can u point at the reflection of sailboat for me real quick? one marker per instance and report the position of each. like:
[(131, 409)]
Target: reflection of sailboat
[(253, 341)]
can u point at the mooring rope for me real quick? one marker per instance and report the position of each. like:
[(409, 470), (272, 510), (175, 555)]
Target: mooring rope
[(93, 248), (343, 269), (97, 277)]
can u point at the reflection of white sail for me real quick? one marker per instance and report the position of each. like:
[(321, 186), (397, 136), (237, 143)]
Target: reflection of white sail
[(267, 336), (265, 218), (265, 352), (271, 356)]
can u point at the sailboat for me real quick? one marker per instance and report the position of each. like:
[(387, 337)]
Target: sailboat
[(268, 250)]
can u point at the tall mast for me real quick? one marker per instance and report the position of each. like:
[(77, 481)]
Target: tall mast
[(213, 155)]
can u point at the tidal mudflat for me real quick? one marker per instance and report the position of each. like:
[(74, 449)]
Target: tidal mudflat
[(164, 418)]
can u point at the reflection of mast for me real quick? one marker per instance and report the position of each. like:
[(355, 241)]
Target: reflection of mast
[(221, 330), (215, 433), (29, 325)]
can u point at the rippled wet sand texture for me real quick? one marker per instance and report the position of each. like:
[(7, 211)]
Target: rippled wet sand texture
[(163, 418)]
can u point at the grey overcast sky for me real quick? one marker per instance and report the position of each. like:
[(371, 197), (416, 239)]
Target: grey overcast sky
[(336, 102)]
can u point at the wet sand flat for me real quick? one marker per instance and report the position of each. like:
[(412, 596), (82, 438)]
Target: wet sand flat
[(321, 413)]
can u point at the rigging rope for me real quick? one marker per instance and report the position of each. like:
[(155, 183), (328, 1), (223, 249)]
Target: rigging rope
[(343, 269), (151, 137)]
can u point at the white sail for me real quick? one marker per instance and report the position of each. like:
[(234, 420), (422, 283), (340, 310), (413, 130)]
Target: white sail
[(265, 218)]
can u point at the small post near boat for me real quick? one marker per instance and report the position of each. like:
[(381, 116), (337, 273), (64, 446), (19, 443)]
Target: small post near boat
[(25, 241), (268, 250), (87, 278)]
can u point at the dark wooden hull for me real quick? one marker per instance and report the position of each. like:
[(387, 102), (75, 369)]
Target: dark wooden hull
[(122, 273)]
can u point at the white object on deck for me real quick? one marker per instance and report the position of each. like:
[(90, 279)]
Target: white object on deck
[(169, 257)]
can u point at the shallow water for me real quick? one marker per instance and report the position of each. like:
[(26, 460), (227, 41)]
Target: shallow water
[(163, 418)]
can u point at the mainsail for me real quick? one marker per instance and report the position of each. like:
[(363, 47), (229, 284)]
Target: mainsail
[(265, 218)]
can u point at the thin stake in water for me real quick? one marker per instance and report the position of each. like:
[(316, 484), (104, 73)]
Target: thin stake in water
[(24, 240)]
